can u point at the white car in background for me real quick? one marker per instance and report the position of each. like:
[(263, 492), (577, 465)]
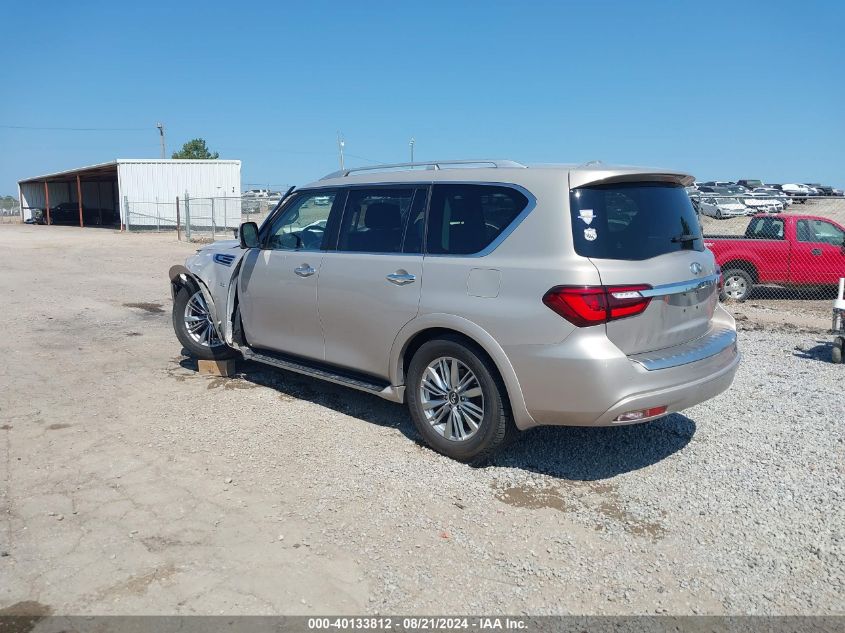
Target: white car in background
[(719, 207), (762, 203), (795, 189), (780, 196)]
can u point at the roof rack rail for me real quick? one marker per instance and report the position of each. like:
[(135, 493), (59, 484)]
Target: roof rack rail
[(431, 164)]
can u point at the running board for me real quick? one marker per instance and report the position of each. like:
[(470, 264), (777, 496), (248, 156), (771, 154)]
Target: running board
[(336, 375)]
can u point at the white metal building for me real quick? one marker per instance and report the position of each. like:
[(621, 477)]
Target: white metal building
[(142, 192)]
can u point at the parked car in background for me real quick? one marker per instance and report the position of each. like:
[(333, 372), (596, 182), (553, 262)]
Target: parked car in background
[(68, 213), (800, 251), (824, 190), (721, 207), (750, 184), (762, 203), (488, 299), (795, 190), (778, 195)]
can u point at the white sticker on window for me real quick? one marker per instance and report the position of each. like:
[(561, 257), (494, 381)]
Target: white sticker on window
[(590, 234), (587, 215)]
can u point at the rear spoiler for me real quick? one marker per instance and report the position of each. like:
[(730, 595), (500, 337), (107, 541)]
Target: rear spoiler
[(585, 177)]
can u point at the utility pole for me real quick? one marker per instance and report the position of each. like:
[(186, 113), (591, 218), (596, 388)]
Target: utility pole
[(160, 127), (412, 148), (340, 144)]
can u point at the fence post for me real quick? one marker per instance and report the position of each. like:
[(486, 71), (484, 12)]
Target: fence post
[(178, 222), (158, 218), (187, 217), (126, 210), (213, 223)]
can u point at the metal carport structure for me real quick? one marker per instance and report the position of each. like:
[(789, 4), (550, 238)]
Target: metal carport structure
[(102, 193), (94, 187)]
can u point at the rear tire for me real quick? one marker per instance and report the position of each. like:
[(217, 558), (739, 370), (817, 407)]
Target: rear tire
[(737, 285), (467, 421), (213, 348)]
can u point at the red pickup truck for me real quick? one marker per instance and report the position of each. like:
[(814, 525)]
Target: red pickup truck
[(783, 250)]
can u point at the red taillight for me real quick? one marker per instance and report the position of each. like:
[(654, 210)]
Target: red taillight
[(592, 305)]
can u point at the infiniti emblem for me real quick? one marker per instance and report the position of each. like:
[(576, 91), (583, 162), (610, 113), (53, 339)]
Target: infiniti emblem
[(695, 268)]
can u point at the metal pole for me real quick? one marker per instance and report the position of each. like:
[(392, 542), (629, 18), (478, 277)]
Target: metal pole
[(340, 144), (213, 227), (160, 127), (47, 201), (126, 211), (187, 217), (99, 204), (158, 218), (79, 199), (178, 222), (412, 148)]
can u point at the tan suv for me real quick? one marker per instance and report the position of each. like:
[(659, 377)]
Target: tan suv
[(489, 296)]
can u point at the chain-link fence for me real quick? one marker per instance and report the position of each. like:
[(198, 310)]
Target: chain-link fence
[(10, 216), (198, 219), (775, 246)]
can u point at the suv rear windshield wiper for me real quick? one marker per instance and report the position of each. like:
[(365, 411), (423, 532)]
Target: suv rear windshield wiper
[(684, 238)]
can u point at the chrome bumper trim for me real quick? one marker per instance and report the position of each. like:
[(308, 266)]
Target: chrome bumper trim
[(680, 287), (711, 344)]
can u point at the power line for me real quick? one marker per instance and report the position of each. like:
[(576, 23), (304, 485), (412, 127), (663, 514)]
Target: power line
[(77, 129)]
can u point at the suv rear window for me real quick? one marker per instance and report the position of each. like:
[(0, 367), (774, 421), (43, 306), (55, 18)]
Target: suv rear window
[(465, 219), (633, 220)]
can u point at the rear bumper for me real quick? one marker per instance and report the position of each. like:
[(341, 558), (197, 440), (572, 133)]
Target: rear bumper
[(588, 381)]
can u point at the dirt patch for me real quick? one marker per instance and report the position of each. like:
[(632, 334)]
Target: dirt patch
[(137, 585), (631, 524), (57, 427), (532, 497), (23, 617), (27, 607), (153, 308), (6, 427), (584, 499), (133, 334), (230, 384)]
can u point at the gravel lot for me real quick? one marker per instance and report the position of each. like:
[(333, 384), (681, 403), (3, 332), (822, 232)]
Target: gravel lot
[(131, 484)]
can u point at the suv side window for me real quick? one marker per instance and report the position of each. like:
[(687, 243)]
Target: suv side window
[(302, 225), (820, 232), (374, 220), (465, 219)]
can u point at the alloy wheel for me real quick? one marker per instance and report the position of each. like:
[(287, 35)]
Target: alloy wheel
[(452, 399), (198, 322)]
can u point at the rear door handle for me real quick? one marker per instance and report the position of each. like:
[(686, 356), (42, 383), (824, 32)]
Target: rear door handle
[(401, 278), (305, 270), (816, 251)]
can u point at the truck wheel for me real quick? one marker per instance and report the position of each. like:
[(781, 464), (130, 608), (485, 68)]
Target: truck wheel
[(457, 401), (193, 327), (836, 354), (738, 284)]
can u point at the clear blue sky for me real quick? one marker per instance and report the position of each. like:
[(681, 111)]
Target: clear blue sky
[(723, 90)]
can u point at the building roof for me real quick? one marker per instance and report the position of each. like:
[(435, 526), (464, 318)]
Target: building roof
[(110, 168)]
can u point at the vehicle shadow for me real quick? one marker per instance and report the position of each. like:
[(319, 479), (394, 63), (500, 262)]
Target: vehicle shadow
[(572, 453), (821, 351)]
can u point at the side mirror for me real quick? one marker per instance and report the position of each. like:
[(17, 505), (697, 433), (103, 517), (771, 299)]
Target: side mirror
[(248, 235)]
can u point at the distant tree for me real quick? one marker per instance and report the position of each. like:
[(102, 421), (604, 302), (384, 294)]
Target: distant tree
[(196, 149)]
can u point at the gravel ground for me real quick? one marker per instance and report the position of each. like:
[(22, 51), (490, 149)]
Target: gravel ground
[(131, 484)]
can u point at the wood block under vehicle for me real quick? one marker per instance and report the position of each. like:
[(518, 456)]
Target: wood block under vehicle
[(225, 368)]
